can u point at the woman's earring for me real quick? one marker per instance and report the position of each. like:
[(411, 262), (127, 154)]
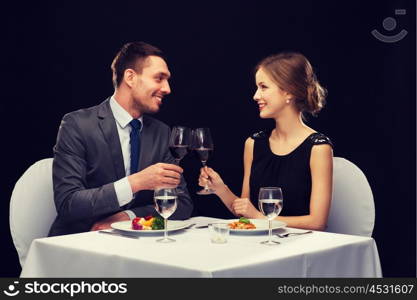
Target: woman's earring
[(288, 101)]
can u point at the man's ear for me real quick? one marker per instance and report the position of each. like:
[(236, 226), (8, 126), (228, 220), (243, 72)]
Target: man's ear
[(130, 77)]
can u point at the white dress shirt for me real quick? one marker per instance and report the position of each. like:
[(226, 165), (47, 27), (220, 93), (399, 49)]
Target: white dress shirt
[(123, 189)]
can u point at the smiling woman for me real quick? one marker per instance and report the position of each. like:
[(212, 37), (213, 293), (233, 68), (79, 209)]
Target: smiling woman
[(292, 156), (289, 77)]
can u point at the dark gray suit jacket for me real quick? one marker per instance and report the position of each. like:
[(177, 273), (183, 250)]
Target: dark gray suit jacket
[(88, 160)]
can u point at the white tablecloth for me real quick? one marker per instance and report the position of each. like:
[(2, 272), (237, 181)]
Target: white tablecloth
[(93, 254)]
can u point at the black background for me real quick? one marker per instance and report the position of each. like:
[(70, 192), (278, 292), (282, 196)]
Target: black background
[(56, 56)]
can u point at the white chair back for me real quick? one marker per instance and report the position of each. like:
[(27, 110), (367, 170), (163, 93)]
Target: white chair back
[(32, 208), (352, 209)]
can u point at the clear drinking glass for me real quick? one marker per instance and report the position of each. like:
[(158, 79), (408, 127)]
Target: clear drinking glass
[(202, 144), (270, 202), (219, 232), (165, 204), (179, 142)]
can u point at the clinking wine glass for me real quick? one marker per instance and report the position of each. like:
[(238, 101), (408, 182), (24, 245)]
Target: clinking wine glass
[(203, 145), (165, 204), (179, 142), (270, 202)]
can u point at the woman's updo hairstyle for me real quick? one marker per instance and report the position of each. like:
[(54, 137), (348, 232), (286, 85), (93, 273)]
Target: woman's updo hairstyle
[(293, 73)]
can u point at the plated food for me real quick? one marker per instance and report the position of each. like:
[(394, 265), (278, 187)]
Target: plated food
[(242, 223), (148, 223), (127, 226), (254, 226)]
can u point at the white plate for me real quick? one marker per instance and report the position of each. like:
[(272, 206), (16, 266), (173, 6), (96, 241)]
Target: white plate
[(262, 226), (172, 226)]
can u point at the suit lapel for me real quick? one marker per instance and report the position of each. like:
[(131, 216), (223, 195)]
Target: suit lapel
[(108, 127)]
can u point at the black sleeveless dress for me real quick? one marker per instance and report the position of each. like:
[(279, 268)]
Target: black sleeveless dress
[(290, 172)]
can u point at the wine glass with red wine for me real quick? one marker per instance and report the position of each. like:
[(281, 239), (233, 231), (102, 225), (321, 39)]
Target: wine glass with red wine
[(203, 145), (179, 142)]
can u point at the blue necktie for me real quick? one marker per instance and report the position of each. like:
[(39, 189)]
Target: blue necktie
[(134, 145)]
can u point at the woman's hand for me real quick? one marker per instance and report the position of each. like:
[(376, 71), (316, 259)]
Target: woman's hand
[(212, 179), (243, 207)]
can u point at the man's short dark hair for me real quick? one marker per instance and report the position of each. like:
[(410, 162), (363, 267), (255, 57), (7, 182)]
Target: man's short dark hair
[(132, 56)]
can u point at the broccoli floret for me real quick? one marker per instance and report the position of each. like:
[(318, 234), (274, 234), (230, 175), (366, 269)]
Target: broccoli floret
[(158, 223)]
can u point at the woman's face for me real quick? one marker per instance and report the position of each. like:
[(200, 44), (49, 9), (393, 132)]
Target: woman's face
[(271, 98)]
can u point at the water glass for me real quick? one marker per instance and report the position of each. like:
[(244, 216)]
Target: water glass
[(165, 204), (219, 233), (270, 202)]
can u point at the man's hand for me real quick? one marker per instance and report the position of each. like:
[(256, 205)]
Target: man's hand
[(156, 176), (105, 223)]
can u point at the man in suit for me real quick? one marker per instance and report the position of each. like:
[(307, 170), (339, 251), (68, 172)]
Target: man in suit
[(109, 158)]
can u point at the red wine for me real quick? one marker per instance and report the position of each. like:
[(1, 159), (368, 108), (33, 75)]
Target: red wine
[(178, 151), (203, 153)]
